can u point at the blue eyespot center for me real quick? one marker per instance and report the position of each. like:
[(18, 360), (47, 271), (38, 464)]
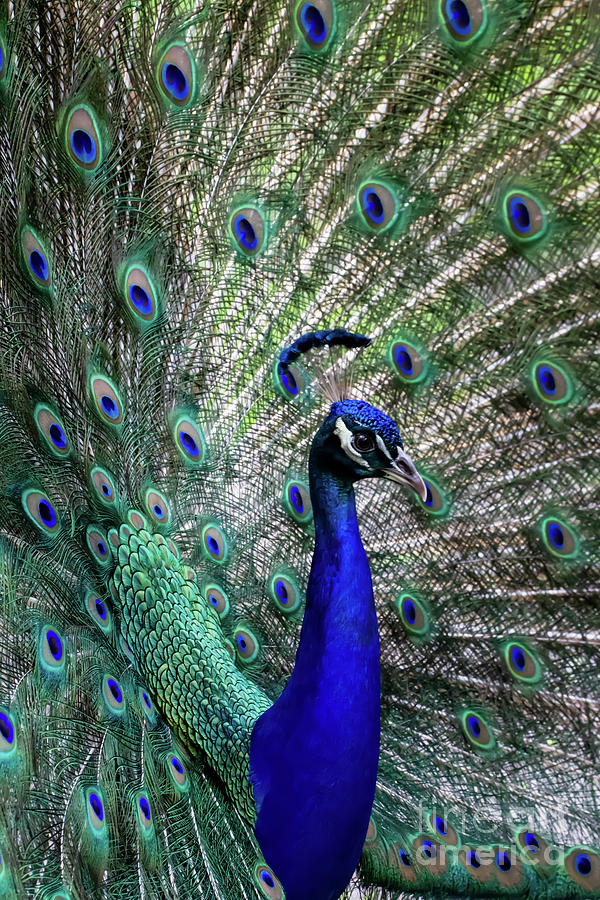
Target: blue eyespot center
[(97, 807), (245, 233), (546, 380), (158, 511), (503, 861), (59, 438), (213, 545), (373, 206), (459, 16), (188, 443), (109, 406), (146, 699), (6, 728), (175, 81), (517, 658), (55, 644), (313, 23), (583, 864), (177, 765), (474, 726), (145, 808), (403, 360), (47, 514), (101, 610), (404, 858), (429, 849), (440, 825), (267, 878), (38, 264), (106, 490), (101, 548), (532, 843), (140, 299), (519, 215), (296, 500), (556, 535), (288, 381), (281, 591), (429, 499), (115, 690), (83, 146), (410, 611), (242, 643)]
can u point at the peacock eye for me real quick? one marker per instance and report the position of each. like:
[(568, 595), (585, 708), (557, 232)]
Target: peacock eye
[(363, 442)]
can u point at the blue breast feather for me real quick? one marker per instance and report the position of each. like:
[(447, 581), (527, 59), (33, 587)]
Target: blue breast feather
[(314, 753)]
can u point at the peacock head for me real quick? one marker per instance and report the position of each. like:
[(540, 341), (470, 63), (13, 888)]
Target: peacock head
[(358, 441)]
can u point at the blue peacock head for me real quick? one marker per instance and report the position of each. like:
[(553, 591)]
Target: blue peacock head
[(356, 440)]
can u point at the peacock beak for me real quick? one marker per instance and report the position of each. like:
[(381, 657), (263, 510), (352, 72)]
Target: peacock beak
[(404, 471)]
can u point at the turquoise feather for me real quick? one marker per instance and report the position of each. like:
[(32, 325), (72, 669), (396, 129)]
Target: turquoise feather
[(186, 190)]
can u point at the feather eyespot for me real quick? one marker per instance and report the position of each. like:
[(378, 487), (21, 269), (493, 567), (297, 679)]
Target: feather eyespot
[(408, 361), (443, 829), (430, 854), (107, 401), (52, 430), (559, 538), (378, 206), (189, 440), (524, 216), (246, 645), (315, 20), (268, 882), (214, 543), (177, 772), (37, 259), (509, 871), (103, 485), (535, 848), (98, 545), (413, 614), (51, 651), (41, 510), (477, 731), (296, 499), (248, 229), (285, 593), (98, 611), (583, 868), (289, 380), (176, 75), (147, 706), (435, 502), (141, 295), (551, 382), (144, 812), (137, 520), (157, 506), (8, 740), (95, 809), (400, 860), (477, 862), (112, 693), (464, 20), (217, 599), (3, 58), (83, 140), (521, 662)]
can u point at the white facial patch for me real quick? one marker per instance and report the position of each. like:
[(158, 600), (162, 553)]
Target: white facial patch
[(345, 437), (383, 448)]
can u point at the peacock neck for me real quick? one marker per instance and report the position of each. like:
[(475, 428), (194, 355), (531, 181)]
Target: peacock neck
[(314, 754)]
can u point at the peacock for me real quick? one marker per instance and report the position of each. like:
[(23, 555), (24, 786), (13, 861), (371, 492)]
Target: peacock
[(299, 449)]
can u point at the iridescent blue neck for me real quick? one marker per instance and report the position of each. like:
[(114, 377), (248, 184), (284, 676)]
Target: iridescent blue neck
[(314, 754)]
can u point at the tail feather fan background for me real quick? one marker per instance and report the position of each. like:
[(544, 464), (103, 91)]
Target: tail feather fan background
[(185, 190)]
